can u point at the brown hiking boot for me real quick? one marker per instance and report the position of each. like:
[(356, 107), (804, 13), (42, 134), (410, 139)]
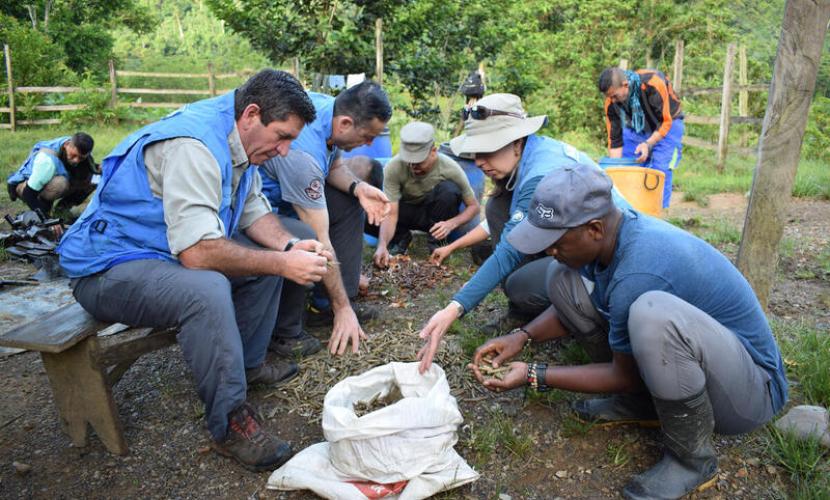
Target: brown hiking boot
[(275, 373), (248, 444)]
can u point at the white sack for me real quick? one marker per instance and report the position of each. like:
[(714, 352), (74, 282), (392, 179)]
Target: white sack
[(410, 440)]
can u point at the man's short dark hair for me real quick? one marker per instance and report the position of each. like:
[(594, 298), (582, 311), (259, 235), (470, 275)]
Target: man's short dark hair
[(83, 142), (610, 77), (278, 94), (363, 103)]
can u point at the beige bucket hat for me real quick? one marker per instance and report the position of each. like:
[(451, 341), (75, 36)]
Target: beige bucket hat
[(497, 131)]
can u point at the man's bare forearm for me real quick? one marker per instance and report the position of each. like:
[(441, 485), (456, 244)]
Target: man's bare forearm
[(387, 227), (268, 232), (466, 215), (232, 259)]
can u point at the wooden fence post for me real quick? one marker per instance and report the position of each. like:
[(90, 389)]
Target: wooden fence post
[(726, 106), (12, 120), (211, 80), (379, 51), (743, 94), (295, 67), (677, 77), (790, 94), (623, 63), (114, 85)]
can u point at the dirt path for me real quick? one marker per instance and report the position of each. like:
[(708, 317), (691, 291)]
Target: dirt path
[(524, 446)]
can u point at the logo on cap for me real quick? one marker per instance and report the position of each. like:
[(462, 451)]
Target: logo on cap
[(518, 215), (544, 212)]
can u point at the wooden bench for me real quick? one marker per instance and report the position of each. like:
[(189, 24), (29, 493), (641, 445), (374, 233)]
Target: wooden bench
[(84, 359)]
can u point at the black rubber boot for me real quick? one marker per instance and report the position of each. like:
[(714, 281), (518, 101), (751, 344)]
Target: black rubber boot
[(618, 409), (689, 460)]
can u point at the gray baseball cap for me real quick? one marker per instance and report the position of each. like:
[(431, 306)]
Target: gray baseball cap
[(565, 198), (417, 139)]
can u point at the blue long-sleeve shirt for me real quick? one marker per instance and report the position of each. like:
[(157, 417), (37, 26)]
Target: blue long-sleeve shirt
[(541, 156)]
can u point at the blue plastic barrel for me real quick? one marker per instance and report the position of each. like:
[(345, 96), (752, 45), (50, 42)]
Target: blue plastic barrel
[(605, 162)]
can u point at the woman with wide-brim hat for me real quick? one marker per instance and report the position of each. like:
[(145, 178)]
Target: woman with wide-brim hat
[(504, 142)]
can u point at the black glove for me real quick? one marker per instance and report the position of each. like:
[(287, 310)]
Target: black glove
[(33, 199)]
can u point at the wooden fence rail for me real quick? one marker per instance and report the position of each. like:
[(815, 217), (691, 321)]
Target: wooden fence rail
[(210, 78)]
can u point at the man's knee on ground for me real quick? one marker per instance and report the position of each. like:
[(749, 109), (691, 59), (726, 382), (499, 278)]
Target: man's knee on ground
[(649, 317), (557, 277), (55, 188)]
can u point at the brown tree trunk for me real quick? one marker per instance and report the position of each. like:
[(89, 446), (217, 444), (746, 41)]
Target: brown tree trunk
[(790, 95)]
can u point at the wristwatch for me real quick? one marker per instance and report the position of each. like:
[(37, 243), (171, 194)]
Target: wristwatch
[(290, 244)]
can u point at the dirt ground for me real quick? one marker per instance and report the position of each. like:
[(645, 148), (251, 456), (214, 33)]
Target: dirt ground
[(169, 455)]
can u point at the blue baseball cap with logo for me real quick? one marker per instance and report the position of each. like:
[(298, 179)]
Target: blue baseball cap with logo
[(564, 199)]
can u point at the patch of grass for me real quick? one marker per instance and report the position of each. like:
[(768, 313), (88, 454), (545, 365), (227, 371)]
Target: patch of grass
[(573, 353), (720, 232), (548, 398), (470, 336), (806, 352), (786, 248), (804, 459), (4, 255), (812, 180), (498, 433), (572, 427), (823, 261), (617, 453)]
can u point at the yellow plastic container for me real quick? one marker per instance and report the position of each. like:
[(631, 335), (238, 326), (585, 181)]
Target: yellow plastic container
[(642, 187)]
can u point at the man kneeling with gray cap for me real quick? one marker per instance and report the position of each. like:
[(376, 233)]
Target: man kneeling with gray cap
[(426, 189), (684, 328)]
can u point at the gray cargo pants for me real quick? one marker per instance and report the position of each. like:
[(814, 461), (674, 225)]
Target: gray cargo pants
[(679, 350), (225, 323)]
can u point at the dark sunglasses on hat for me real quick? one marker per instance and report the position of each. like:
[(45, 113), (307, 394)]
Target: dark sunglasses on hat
[(481, 113)]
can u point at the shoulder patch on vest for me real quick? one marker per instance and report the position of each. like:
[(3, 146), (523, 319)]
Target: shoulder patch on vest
[(571, 152)]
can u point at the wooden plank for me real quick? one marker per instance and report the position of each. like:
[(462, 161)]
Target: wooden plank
[(84, 396), (752, 87), (172, 105), (211, 80), (701, 120), (800, 45), (726, 106), (5, 110), (50, 90), (243, 73), (47, 121), (141, 341), (379, 51), (699, 143), (677, 78), (113, 85), (163, 91), (60, 107), (8, 55), (152, 74), (623, 63), (743, 95), (6, 125), (55, 332), (714, 120)]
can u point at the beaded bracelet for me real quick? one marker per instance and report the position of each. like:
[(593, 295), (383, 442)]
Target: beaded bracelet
[(536, 376)]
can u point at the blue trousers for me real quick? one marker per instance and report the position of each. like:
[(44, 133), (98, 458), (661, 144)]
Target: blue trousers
[(665, 156), (225, 323)]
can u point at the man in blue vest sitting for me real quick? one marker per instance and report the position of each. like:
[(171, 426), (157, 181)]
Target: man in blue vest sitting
[(60, 168), (179, 234)]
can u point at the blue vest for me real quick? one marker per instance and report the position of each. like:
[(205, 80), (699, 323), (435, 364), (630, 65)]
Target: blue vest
[(311, 140), (124, 221), (542, 155), (25, 170)]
